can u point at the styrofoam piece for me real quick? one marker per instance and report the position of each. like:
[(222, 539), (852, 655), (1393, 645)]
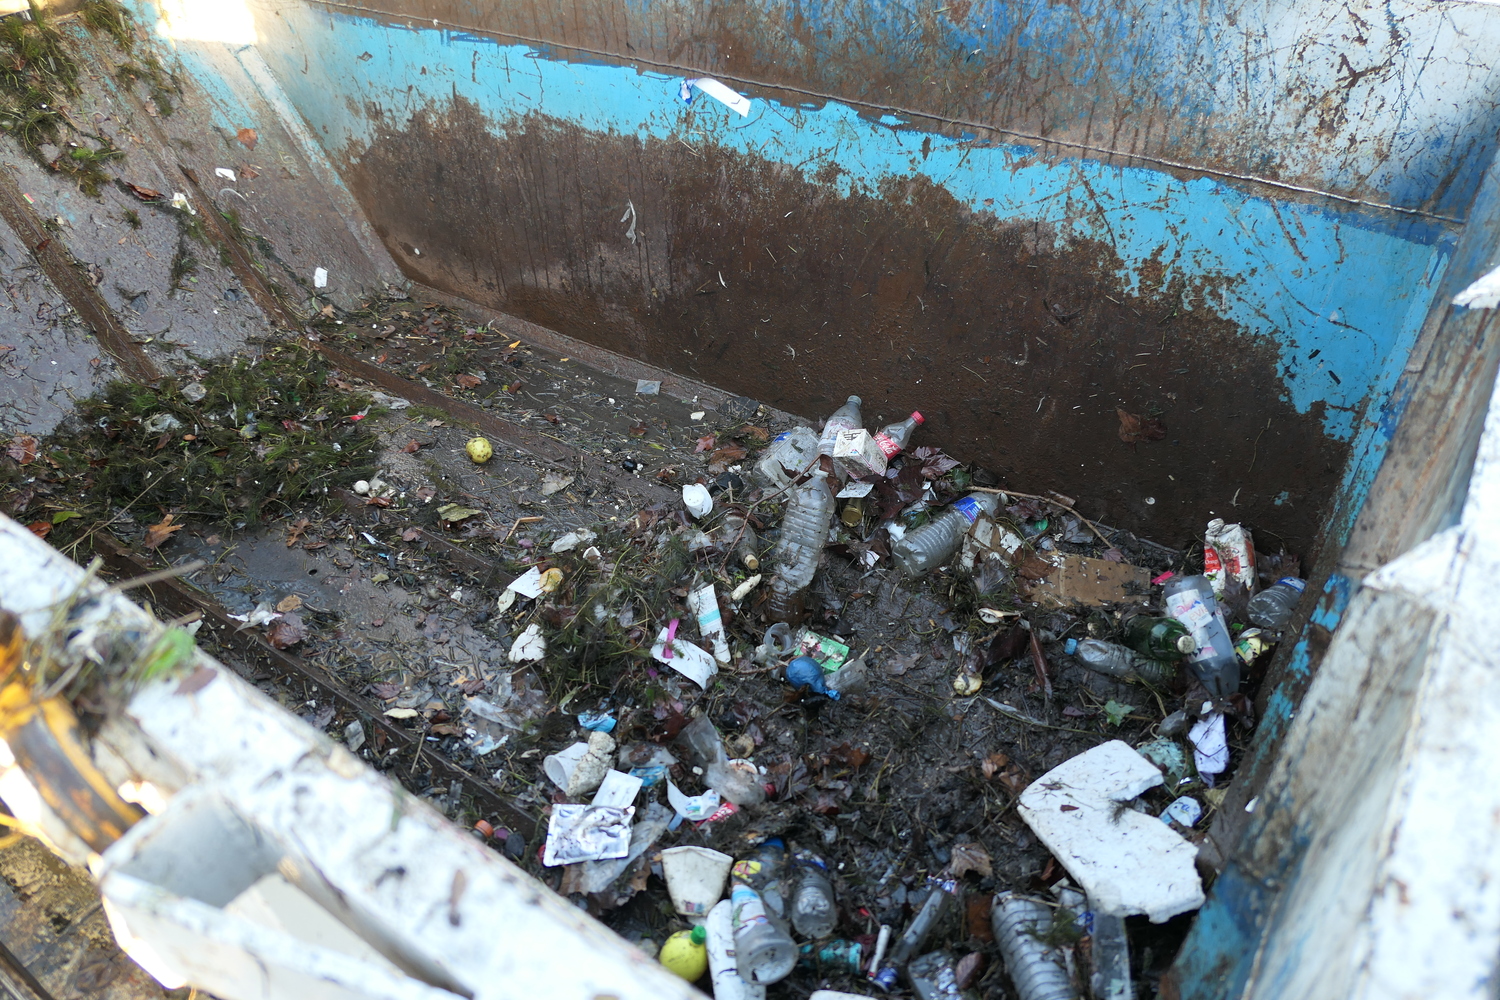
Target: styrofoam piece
[(1126, 861), (1210, 745)]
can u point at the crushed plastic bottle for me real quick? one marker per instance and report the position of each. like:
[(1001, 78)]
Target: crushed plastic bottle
[(845, 418), (1190, 599), (894, 438), (815, 911), (764, 952), (733, 780), (934, 976), (738, 536), (1034, 968), (940, 899), (1159, 638), (804, 533), (795, 450), (923, 549), (1272, 608), (764, 870), (1126, 664)]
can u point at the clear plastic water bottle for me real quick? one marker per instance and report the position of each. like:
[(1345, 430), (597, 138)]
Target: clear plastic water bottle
[(764, 952), (722, 964), (764, 870), (895, 437), (815, 911), (1190, 599), (1272, 608), (931, 545), (1035, 968), (804, 533), (738, 535), (845, 418), (1126, 664)]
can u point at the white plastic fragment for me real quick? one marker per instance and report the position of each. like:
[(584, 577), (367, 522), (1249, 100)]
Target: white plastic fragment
[(694, 808), (691, 661), (573, 539), (528, 584), (1126, 861), (855, 489), (1210, 745), (738, 594), (225, 173), (320, 277), (586, 833), (181, 203), (647, 387), (697, 414), (718, 91), (696, 498), (1482, 294), (529, 645)]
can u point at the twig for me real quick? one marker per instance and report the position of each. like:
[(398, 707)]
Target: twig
[(1040, 662), (520, 521), (1051, 500), (1020, 716)]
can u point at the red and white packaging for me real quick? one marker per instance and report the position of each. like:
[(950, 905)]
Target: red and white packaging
[(856, 454), (1228, 554)]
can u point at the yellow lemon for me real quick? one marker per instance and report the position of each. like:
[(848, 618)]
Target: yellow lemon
[(685, 954), (479, 450)]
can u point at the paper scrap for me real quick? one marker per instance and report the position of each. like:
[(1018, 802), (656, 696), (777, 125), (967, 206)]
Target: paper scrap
[(529, 646), (694, 808), (528, 584), (320, 277), (718, 91), (856, 489), (692, 662), (586, 833), (1210, 745), (618, 789)]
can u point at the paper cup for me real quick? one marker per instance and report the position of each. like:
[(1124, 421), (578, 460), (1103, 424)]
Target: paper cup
[(695, 878), (559, 767)]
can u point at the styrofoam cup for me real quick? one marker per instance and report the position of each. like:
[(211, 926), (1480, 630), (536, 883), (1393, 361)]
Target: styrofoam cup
[(559, 766), (695, 878)]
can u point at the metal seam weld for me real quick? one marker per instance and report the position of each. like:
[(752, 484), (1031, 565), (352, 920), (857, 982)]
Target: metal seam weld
[(1104, 151)]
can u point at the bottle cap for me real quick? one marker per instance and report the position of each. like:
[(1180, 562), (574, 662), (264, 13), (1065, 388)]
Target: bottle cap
[(918, 417), (1186, 645), (855, 400), (699, 934)]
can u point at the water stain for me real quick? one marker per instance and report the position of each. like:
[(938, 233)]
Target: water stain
[(769, 282)]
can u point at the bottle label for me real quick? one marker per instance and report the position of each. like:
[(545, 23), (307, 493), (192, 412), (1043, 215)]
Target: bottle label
[(1194, 614), (968, 507), (746, 908), (1291, 581), (781, 437), (888, 447)]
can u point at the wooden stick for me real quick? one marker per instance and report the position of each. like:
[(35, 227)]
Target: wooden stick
[(1051, 500)]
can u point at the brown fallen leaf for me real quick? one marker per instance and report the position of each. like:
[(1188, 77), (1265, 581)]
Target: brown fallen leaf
[(160, 532), (287, 631), (705, 443), (970, 857), (295, 532), (197, 680), (40, 529), (385, 690), (1135, 428), (411, 534), (289, 603), (847, 753), (993, 764), (467, 381), (637, 430), (411, 447), (247, 137), (143, 193), (22, 449), (970, 967)]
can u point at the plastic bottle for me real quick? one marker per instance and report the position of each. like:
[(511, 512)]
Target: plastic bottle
[(764, 952), (686, 954), (894, 438), (1272, 608), (804, 533), (764, 870), (1190, 599), (852, 678), (1034, 968), (737, 534), (1126, 664), (934, 976), (1159, 638), (1111, 958), (845, 418), (795, 449), (939, 901), (931, 545), (722, 964), (815, 911), (734, 783)]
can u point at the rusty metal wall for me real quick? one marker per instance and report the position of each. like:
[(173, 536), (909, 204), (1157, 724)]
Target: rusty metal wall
[(881, 223)]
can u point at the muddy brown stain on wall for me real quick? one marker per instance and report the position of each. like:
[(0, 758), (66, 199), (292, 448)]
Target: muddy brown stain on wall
[(750, 275)]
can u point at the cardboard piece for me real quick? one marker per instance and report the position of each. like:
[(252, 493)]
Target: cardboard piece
[(1081, 580)]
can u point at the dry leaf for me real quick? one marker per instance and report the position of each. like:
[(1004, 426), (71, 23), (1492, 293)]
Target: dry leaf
[(705, 443), (295, 532), (466, 381), (385, 690), (287, 631), (143, 193), (637, 430), (247, 137), (1134, 427), (40, 529), (158, 533), (289, 603), (970, 857), (22, 449), (993, 764), (411, 534), (411, 447), (553, 483)]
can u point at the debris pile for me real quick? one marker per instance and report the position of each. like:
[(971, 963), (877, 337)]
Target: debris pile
[(822, 707)]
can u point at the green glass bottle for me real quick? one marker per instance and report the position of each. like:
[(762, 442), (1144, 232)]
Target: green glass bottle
[(1159, 638)]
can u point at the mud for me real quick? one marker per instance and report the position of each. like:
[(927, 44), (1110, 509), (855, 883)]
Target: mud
[(769, 283)]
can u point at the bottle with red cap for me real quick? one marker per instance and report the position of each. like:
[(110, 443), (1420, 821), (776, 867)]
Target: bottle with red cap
[(894, 439)]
